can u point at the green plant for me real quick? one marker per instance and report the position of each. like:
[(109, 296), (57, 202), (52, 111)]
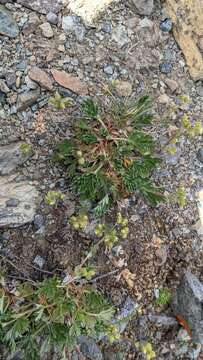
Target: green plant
[(60, 102), (52, 314), (53, 197), (111, 155), (26, 148), (164, 298)]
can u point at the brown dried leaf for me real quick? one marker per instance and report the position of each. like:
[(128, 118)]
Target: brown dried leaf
[(128, 277)]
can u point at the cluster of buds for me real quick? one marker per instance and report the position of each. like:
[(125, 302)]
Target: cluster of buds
[(79, 222)]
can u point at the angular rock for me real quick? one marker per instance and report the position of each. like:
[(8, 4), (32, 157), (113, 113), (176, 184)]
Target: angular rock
[(109, 355), (126, 312), (162, 320), (123, 88), (52, 18), (144, 7), (120, 35), (26, 204), (11, 156), (8, 25), (200, 155), (72, 25), (39, 261), (42, 6), (47, 30), (70, 82), (188, 305), (27, 99), (41, 77), (89, 348), (3, 87), (172, 84)]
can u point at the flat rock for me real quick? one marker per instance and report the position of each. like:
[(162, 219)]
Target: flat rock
[(144, 7), (27, 99), (70, 82), (47, 30), (41, 77), (188, 305), (123, 88), (26, 197), (89, 348), (42, 6), (11, 156), (8, 25)]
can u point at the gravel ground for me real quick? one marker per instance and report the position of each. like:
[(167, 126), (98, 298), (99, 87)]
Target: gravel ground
[(162, 241)]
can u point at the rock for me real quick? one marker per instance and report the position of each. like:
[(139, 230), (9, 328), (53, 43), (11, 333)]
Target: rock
[(163, 99), (12, 156), (172, 84), (109, 70), (39, 223), (109, 355), (144, 7), (47, 30), (27, 99), (162, 320), (166, 25), (72, 25), (200, 91), (120, 35), (165, 68), (10, 79), (188, 305), (8, 26), (127, 310), (52, 18), (30, 84), (70, 82), (42, 6), (12, 202), (39, 261), (41, 77), (3, 87), (123, 88), (106, 27), (25, 196), (145, 23), (89, 348), (200, 155)]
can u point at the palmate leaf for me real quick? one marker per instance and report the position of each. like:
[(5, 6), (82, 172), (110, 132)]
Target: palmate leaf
[(142, 142), (102, 206), (63, 150), (90, 108)]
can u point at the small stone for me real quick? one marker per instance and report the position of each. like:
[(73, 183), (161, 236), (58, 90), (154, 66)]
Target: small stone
[(163, 99), (47, 30), (89, 348), (3, 87), (70, 82), (188, 305), (127, 310), (165, 68), (27, 99), (38, 222), (145, 23), (172, 84), (42, 6), (162, 320), (41, 77), (39, 261), (166, 25), (108, 355), (12, 202), (109, 70), (123, 88), (144, 7), (120, 35), (8, 26), (30, 84), (200, 91), (52, 18), (10, 79), (72, 25), (200, 155), (106, 27)]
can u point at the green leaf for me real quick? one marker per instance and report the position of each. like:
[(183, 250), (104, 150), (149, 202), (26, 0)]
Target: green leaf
[(63, 150), (102, 206), (90, 108), (142, 142)]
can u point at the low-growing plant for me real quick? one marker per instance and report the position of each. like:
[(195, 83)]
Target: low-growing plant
[(164, 297), (52, 315), (60, 102), (146, 349), (111, 155), (53, 197)]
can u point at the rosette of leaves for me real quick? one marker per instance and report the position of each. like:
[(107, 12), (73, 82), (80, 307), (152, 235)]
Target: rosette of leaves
[(111, 155), (51, 315)]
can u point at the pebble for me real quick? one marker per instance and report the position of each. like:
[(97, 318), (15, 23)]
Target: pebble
[(39, 261), (47, 30), (3, 87), (165, 68), (38, 222), (109, 70), (106, 27), (172, 84), (200, 155), (27, 99), (52, 18), (8, 25), (10, 79), (12, 202), (166, 25), (144, 7), (120, 35)]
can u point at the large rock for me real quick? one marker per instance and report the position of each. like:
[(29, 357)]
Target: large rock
[(8, 25), (13, 155), (89, 348), (41, 77), (18, 202), (188, 306), (144, 7), (27, 99), (43, 6)]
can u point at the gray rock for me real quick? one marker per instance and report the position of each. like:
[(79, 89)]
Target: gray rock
[(10, 79), (52, 18), (8, 26), (39, 223), (42, 6), (72, 25), (3, 87), (200, 155), (166, 25), (120, 35), (47, 30), (200, 91), (39, 261), (12, 202), (162, 320), (109, 355), (27, 99), (144, 7), (194, 352), (188, 303), (165, 68), (11, 156), (89, 348), (109, 70), (27, 197), (106, 27), (124, 315)]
